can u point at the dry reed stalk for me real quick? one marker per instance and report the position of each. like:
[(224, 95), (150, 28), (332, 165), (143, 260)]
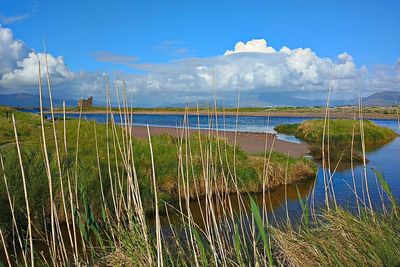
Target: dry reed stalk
[(286, 196), (108, 117), (5, 248), (364, 156), (187, 197), (352, 169), (264, 174), (58, 154), (28, 214), (326, 117), (14, 221), (47, 166), (71, 198), (158, 225)]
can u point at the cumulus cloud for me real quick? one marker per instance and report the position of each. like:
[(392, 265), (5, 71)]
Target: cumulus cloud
[(26, 72), (11, 50), (252, 67), (291, 70), (254, 46)]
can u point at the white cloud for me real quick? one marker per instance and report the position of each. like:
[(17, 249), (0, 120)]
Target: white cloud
[(19, 66), (11, 50), (26, 72), (254, 46)]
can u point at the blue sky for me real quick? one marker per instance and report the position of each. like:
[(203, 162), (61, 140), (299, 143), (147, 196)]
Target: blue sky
[(135, 37)]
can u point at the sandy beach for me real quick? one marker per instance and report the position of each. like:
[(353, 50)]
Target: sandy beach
[(249, 142)]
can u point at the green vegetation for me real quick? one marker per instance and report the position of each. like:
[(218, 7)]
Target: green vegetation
[(340, 134), (338, 238), (289, 129), (110, 187), (341, 131), (86, 171), (28, 126)]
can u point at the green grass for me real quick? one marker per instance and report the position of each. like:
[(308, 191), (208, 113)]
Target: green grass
[(326, 237), (289, 129), (249, 168), (28, 127), (339, 132), (338, 237)]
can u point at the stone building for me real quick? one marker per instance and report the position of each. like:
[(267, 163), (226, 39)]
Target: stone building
[(85, 103)]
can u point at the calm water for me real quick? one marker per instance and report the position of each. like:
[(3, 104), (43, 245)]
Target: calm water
[(385, 159), (258, 124)]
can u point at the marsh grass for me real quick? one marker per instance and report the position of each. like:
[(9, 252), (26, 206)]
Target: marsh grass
[(338, 237), (165, 147), (340, 131), (114, 187), (346, 137)]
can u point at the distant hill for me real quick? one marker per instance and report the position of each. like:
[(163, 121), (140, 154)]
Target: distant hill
[(386, 98), (253, 100), (30, 101)]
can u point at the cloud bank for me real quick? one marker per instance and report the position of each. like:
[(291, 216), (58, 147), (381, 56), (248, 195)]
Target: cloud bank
[(252, 67)]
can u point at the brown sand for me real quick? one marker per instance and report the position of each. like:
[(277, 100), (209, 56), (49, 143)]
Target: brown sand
[(249, 142)]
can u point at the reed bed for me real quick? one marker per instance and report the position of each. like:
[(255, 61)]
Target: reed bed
[(122, 225)]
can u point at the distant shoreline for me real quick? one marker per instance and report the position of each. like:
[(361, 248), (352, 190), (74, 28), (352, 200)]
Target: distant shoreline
[(314, 114)]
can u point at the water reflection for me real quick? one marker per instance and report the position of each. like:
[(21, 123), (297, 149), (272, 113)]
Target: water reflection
[(275, 204)]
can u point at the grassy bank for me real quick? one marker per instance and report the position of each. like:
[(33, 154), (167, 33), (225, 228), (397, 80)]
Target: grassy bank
[(28, 128), (341, 134), (87, 160), (340, 131)]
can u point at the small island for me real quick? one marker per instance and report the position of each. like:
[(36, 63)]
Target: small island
[(341, 135)]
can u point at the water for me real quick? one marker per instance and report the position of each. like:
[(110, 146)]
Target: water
[(386, 159), (258, 124)]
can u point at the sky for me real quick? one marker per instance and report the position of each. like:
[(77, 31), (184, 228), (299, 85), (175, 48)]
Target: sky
[(169, 52)]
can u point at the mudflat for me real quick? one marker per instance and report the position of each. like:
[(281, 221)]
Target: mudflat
[(249, 142)]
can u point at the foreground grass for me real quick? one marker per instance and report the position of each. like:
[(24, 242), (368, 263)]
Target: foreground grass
[(338, 238)]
